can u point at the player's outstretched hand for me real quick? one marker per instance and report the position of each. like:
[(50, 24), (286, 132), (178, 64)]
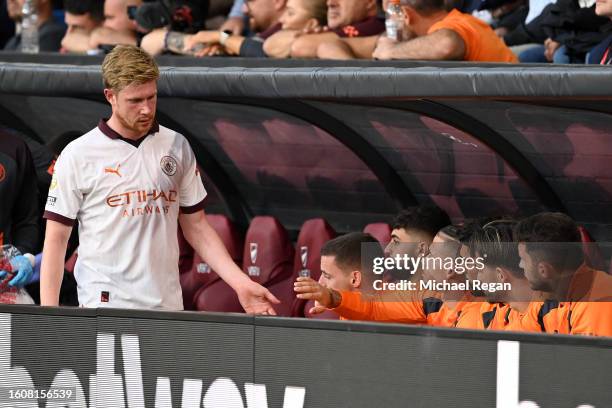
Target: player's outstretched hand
[(310, 289), (255, 299)]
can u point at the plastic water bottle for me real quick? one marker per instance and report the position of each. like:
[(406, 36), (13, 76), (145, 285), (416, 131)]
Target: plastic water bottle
[(395, 20), (29, 27)]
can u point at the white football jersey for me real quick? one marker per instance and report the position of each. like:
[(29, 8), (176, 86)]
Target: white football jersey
[(126, 197)]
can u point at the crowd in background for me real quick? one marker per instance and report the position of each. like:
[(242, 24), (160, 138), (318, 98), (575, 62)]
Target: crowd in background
[(561, 31)]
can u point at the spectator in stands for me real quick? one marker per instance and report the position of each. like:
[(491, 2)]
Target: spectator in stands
[(553, 262), (347, 19), (235, 19), (118, 28), (528, 34), (507, 14), (128, 251), (602, 52), (412, 232), (18, 204), (299, 15), (437, 34), (7, 26), (50, 32), (571, 28), (82, 17), (264, 18)]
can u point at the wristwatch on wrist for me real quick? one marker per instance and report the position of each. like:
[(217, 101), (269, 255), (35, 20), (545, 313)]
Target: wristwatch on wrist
[(223, 36)]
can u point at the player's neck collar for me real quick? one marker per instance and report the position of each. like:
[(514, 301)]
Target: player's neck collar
[(111, 133)]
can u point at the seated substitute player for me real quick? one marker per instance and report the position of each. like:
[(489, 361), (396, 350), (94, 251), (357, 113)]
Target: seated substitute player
[(412, 232), (127, 182), (579, 297), (341, 263), (494, 244), (418, 306)]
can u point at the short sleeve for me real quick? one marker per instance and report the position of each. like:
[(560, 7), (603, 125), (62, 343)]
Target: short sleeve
[(463, 29), (192, 192), (65, 197)]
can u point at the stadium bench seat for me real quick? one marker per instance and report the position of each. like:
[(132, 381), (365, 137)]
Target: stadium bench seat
[(313, 235), (71, 262), (189, 285), (379, 230), (268, 258), (198, 276), (592, 253)]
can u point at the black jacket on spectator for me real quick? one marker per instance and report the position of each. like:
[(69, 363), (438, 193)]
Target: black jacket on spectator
[(528, 33), (50, 35), (18, 194), (7, 26), (579, 29)]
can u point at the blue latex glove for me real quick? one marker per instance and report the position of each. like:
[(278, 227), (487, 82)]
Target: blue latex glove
[(23, 271)]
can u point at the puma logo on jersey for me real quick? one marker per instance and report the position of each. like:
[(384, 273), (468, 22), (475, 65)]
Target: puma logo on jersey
[(113, 171)]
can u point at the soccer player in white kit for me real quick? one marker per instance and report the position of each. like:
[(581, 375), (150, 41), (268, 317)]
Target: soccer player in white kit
[(127, 182)]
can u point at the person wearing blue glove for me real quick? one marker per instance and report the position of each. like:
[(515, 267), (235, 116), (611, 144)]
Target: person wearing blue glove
[(23, 270), (19, 214)]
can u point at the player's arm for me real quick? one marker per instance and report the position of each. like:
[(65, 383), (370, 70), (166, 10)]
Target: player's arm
[(52, 268), (443, 44), (253, 297), (387, 307)]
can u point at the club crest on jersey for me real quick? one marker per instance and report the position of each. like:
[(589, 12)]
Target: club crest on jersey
[(253, 270), (168, 165)]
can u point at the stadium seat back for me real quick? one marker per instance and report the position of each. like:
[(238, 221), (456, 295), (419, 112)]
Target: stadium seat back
[(231, 238), (268, 252), (195, 273), (71, 262), (592, 252), (313, 235), (218, 296), (189, 285), (267, 259), (379, 230)]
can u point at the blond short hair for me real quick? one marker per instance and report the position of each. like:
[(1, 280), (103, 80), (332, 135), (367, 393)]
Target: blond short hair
[(126, 65)]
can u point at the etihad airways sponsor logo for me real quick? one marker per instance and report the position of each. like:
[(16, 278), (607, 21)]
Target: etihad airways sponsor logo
[(111, 389), (140, 197)]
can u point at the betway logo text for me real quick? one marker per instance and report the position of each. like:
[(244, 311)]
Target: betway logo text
[(106, 387)]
